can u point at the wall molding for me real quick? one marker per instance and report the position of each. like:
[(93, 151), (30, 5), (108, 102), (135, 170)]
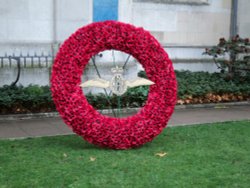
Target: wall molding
[(33, 43), (187, 2)]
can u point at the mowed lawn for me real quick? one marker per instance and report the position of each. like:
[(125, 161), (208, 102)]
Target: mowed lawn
[(212, 155)]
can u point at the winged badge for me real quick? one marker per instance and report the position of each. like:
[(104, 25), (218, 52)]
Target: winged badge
[(118, 84)]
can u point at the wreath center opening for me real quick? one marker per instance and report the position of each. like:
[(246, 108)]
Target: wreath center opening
[(115, 83)]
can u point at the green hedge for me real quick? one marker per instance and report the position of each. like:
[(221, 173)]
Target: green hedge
[(132, 98), (25, 99), (199, 84), (195, 84)]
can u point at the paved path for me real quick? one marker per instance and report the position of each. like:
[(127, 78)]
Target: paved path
[(55, 126)]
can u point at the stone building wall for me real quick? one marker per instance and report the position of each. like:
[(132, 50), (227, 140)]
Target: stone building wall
[(243, 26), (183, 27)]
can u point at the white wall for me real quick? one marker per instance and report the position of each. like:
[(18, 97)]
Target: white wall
[(34, 76), (185, 28), (180, 24), (25, 21), (71, 15), (31, 21), (244, 18), (31, 26)]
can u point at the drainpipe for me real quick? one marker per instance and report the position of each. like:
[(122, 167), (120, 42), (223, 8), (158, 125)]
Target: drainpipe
[(54, 28), (54, 44), (234, 14)]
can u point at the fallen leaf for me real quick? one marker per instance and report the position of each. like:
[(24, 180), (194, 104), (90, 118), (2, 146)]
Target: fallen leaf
[(65, 155), (220, 107), (92, 158), (161, 154), (180, 102)]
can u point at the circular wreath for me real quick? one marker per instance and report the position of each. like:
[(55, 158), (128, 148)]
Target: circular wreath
[(116, 133)]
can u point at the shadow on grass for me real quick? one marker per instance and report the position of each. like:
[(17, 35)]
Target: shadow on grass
[(74, 142)]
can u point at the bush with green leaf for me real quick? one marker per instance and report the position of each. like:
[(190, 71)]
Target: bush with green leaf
[(193, 87), (201, 86), (19, 99), (232, 56)]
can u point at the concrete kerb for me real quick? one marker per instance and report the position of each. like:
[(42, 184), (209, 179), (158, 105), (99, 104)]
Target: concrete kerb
[(202, 123), (127, 110), (213, 105)]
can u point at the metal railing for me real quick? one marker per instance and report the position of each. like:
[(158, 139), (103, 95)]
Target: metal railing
[(27, 60), (19, 60)]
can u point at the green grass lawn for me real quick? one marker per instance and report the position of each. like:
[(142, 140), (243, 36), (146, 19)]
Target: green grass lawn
[(215, 155)]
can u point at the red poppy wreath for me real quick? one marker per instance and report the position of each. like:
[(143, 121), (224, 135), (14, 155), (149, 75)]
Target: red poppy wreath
[(104, 131)]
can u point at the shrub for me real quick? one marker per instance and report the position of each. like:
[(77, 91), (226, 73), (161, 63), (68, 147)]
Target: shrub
[(231, 56), (193, 87), (25, 99), (198, 84)]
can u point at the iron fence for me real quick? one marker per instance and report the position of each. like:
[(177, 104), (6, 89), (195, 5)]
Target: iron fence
[(41, 60)]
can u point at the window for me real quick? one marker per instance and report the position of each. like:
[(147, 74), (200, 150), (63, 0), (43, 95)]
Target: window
[(105, 10)]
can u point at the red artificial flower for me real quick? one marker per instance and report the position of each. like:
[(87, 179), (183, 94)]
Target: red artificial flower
[(104, 131)]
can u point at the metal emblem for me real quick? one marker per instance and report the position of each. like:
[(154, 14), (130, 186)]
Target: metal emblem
[(118, 84)]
